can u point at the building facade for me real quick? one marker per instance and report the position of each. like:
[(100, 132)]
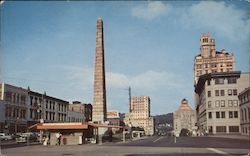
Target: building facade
[(140, 114), (211, 61), (85, 109), (74, 116), (44, 108), (244, 99), (2, 116), (218, 105), (16, 107), (184, 117)]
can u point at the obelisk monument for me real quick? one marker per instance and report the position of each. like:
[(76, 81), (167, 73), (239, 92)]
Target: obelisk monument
[(99, 104)]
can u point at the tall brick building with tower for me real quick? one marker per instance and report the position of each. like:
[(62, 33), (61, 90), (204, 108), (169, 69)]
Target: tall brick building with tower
[(211, 61)]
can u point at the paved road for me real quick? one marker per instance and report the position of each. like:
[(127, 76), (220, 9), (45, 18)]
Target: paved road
[(197, 142), (152, 146)]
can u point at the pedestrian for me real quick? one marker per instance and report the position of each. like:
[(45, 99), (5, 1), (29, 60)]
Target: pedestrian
[(58, 138)]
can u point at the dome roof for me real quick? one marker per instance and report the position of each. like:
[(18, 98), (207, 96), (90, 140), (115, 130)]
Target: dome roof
[(184, 106)]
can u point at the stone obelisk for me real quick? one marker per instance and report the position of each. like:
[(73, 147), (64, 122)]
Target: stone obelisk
[(99, 104)]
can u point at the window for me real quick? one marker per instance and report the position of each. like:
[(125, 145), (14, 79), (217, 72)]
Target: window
[(235, 103), (235, 92), (219, 81), (245, 114), (233, 129), (222, 93), (235, 114), (231, 80), (31, 113), (210, 115), (217, 93), (230, 103), (208, 82), (210, 129), (31, 99), (223, 115), (208, 93), (248, 114), (229, 92), (221, 129), (217, 103), (209, 104), (222, 103), (217, 115), (230, 114)]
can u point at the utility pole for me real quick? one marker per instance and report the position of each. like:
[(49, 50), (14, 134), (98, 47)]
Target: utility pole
[(41, 105), (129, 95)]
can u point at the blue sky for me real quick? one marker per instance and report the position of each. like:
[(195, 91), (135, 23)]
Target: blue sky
[(149, 45)]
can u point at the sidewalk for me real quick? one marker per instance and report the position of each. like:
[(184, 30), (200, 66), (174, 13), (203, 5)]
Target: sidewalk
[(241, 137)]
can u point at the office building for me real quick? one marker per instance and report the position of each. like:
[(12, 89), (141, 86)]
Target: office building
[(210, 60), (218, 105), (16, 107), (140, 114)]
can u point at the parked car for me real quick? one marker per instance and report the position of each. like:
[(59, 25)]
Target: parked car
[(4, 136), (24, 137)]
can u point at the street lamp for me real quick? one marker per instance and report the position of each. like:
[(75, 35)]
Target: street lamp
[(40, 112), (16, 125)]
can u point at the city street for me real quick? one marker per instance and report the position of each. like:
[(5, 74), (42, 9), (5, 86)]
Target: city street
[(151, 146)]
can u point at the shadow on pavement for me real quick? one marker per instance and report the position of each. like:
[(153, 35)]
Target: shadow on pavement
[(175, 154), (15, 145)]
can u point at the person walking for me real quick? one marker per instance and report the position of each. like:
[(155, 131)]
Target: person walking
[(58, 138)]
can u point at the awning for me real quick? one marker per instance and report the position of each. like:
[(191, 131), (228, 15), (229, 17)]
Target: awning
[(77, 125)]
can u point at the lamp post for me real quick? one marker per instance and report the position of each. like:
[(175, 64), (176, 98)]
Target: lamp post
[(16, 125), (40, 111)]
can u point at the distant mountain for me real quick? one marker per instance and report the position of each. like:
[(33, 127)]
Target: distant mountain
[(164, 119)]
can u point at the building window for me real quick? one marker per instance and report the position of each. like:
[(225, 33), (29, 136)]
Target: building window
[(230, 114), (233, 129), (229, 92), (221, 129), (222, 93), (219, 81), (230, 103), (210, 115), (235, 114), (248, 114), (222, 103), (208, 82), (217, 93), (235, 103), (210, 129), (217, 115), (231, 80), (235, 92), (31, 99), (217, 103), (223, 115), (209, 104), (208, 93)]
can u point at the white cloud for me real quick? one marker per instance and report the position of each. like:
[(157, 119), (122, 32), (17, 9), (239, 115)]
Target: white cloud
[(148, 80), (151, 10), (217, 17)]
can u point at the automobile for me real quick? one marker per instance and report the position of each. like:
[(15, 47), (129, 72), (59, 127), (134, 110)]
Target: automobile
[(4, 136), (24, 137)]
